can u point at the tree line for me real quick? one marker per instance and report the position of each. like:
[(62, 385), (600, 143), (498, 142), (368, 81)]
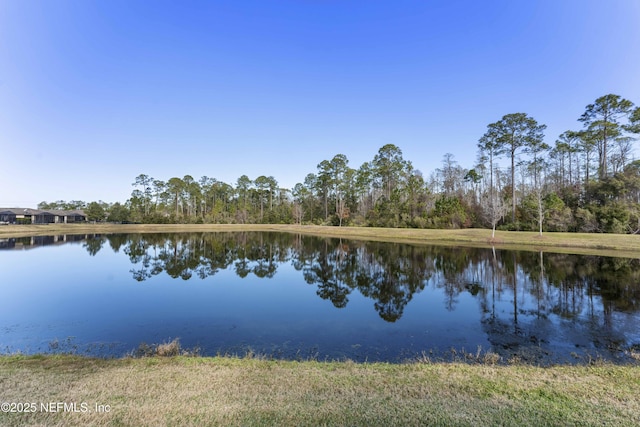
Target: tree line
[(587, 180)]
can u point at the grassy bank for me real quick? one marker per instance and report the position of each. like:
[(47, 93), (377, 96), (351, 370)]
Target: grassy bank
[(585, 243), (226, 391)]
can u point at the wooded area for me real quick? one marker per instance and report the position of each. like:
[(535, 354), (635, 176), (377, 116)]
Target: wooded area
[(586, 181)]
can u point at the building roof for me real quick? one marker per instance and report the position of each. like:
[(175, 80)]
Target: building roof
[(29, 211)]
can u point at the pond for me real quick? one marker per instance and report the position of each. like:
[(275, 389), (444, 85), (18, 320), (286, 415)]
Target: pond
[(291, 296)]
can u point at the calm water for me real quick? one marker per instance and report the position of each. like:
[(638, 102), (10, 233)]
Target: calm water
[(290, 296)]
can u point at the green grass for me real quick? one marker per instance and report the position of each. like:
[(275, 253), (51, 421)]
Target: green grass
[(185, 391), (580, 243)]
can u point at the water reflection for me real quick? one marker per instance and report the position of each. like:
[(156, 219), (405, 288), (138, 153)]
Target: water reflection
[(37, 241), (389, 274), (533, 305)]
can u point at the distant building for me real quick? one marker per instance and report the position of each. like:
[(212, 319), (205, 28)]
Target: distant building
[(37, 216)]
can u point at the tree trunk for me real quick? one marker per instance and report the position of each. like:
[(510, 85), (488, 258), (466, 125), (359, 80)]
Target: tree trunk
[(513, 186)]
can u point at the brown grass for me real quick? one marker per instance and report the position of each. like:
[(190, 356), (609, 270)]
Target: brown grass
[(228, 391), (166, 349)]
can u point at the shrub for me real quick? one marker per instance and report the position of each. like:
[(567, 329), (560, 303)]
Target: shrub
[(169, 349), (166, 349)]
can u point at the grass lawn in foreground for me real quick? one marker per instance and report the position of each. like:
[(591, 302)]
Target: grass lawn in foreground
[(193, 391)]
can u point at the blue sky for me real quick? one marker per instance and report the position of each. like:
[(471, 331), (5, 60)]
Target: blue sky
[(94, 93)]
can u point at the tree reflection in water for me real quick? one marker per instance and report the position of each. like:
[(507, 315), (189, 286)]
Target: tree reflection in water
[(527, 299), (524, 300), (392, 273)]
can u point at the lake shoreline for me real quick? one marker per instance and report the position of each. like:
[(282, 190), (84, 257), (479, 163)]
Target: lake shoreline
[(166, 385), (285, 296), (618, 245), (249, 391)]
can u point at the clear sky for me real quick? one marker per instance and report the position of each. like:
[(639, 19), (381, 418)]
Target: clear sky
[(94, 93)]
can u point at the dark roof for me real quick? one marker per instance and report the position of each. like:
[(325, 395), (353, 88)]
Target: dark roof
[(72, 213), (18, 211), (28, 211)]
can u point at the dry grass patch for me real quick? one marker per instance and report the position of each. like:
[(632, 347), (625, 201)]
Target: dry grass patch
[(166, 349), (228, 391)]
